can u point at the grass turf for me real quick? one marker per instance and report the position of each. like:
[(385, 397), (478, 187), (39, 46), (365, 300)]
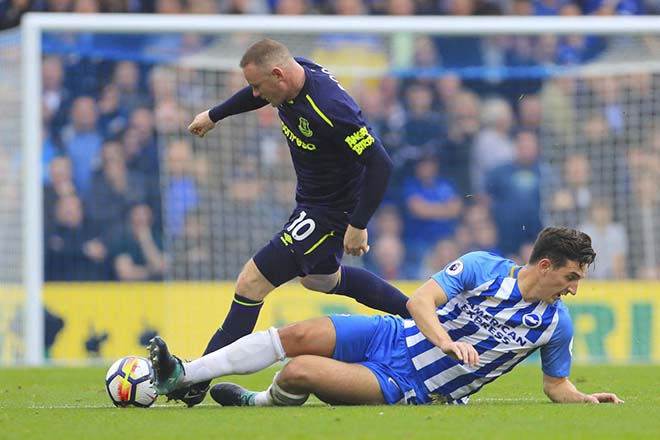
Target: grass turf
[(71, 403)]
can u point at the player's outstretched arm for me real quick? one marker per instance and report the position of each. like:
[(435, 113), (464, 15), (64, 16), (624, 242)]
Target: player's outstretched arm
[(562, 390), (422, 305), (241, 102), (202, 124)]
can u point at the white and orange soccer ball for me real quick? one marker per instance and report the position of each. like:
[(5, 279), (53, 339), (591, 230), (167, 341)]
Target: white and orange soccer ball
[(129, 382)]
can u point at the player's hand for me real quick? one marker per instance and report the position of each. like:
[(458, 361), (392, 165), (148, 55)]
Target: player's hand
[(355, 241), (604, 398), (201, 124), (461, 351)]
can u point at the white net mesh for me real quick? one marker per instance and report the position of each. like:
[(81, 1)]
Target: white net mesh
[(590, 103), (600, 132), (11, 294)]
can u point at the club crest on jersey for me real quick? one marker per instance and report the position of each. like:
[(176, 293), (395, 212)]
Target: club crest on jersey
[(455, 268), (303, 126), (531, 320)]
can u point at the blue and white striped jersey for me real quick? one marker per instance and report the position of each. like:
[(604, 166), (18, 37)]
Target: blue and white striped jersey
[(485, 309)]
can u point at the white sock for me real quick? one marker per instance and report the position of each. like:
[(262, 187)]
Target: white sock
[(249, 354)]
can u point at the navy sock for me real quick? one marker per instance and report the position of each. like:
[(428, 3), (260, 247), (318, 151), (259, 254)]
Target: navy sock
[(240, 321), (371, 290)]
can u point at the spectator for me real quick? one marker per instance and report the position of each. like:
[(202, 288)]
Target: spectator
[(244, 7), (570, 202), (73, 250), (607, 154), (114, 190), (482, 235), (423, 127), (138, 256), (60, 185), (493, 145), (126, 77), (140, 144), (180, 192), (432, 208), (82, 142), (610, 242), (444, 252), (463, 126), (55, 97), (560, 110), (389, 260), (530, 113), (293, 7), (611, 7), (514, 190), (50, 149), (193, 254), (112, 119)]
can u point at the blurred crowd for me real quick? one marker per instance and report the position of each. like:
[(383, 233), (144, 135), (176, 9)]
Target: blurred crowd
[(481, 161)]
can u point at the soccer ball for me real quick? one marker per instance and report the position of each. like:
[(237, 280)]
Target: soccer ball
[(129, 382)]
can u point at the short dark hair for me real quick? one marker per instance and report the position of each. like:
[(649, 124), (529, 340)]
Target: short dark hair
[(561, 245), (266, 53)]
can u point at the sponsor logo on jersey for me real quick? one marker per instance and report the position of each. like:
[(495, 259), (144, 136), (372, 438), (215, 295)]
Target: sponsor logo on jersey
[(303, 126), (500, 331), (360, 140), (454, 268), (290, 135)]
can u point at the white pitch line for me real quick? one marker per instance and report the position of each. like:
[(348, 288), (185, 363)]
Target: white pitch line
[(164, 405), (100, 406)]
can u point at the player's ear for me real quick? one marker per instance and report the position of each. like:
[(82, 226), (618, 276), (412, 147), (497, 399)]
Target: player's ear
[(545, 264), (277, 72)]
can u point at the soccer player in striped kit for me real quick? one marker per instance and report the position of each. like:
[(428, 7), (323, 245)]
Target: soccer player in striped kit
[(342, 171), (472, 322)]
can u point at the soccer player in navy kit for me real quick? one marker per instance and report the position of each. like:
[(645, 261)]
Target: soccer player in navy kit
[(342, 171), (473, 321)]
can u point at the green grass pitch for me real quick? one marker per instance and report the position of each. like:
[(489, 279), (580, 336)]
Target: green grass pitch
[(71, 404)]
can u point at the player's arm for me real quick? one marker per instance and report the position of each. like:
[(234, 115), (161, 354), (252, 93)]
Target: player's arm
[(422, 306), (562, 390), (241, 102), (378, 167)]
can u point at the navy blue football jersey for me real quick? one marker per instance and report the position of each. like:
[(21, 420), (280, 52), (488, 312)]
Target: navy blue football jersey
[(328, 139)]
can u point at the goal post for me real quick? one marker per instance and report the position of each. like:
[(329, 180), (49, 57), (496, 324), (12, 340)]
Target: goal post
[(35, 25)]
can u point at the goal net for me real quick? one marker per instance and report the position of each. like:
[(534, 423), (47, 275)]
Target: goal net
[(461, 88), (12, 294)]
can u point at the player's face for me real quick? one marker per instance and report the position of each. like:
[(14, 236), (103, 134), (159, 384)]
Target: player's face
[(557, 282), (266, 84)]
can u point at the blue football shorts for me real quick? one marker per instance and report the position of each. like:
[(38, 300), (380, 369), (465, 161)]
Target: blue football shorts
[(377, 342), (311, 242)]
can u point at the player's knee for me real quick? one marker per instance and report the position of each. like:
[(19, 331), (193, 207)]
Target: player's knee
[(320, 283), (296, 376), (294, 336)]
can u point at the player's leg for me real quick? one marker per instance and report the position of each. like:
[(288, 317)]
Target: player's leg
[(270, 267), (332, 381), (249, 354), (365, 287), (251, 289), (346, 378)]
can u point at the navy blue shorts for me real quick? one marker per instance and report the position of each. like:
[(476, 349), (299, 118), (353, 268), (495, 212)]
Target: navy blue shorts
[(311, 242), (378, 343)]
